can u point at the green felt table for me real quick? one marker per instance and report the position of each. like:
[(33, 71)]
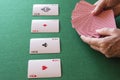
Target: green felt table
[(79, 61)]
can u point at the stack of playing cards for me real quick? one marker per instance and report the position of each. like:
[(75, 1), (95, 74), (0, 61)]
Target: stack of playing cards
[(86, 23), (45, 68)]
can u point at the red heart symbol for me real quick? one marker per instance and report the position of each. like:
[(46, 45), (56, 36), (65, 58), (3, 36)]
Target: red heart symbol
[(44, 67)]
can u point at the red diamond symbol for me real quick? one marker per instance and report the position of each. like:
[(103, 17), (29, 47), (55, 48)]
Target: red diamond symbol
[(44, 25)]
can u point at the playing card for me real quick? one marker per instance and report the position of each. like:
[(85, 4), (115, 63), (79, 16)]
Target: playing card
[(46, 68), (46, 26), (44, 45), (86, 23), (45, 9)]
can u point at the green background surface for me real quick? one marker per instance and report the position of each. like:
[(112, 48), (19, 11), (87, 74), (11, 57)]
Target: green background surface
[(79, 61)]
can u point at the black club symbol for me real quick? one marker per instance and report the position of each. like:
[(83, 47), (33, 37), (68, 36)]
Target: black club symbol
[(45, 44)]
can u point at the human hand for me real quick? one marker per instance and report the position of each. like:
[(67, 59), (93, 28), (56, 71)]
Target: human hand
[(108, 45), (105, 5)]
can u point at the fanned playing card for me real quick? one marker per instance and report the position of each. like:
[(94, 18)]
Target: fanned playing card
[(86, 23)]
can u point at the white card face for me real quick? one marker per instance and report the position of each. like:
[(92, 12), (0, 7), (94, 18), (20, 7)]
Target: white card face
[(44, 45), (45, 9), (45, 68), (44, 26)]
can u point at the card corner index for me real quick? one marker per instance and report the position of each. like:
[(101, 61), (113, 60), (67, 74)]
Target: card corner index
[(56, 38), (58, 60)]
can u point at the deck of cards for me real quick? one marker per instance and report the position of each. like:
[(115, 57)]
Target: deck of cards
[(44, 68), (86, 23)]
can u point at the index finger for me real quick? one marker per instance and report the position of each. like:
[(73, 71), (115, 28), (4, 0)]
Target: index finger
[(99, 7)]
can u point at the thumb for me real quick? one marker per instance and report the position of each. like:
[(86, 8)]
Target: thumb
[(105, 31)]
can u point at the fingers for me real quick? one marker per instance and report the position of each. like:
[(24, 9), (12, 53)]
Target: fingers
[(96, 2), (90, 41), (105, 5), (105, 31), (96, 44), (99, 7)]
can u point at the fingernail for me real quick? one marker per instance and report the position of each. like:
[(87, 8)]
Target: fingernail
[(92, 12)]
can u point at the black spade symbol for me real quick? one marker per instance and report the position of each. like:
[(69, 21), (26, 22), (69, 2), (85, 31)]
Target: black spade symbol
[(45, 44)]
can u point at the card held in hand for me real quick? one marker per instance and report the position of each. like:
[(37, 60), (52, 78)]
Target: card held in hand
[(85, 23)]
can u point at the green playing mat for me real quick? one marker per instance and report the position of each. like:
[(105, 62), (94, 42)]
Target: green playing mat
[(79, 61)]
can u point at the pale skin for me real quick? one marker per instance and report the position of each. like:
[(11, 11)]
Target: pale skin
[(109, 45)]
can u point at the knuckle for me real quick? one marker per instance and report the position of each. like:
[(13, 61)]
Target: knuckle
[(90, 42), (106, 52), (103, 50), (113, 30), (108, 56), (102, 44)]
